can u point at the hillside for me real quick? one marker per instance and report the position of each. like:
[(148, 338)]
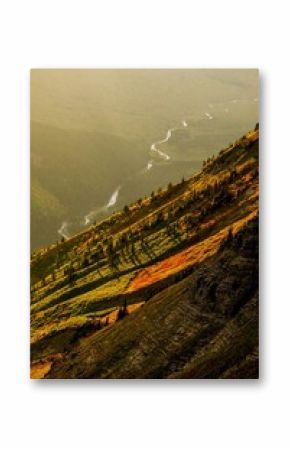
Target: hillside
[(71, 173), (166, 288)]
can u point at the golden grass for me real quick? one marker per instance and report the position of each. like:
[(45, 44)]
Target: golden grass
[(191, 256), (39, 370)]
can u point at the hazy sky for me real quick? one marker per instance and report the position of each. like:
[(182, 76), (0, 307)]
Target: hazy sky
[(130, 101)]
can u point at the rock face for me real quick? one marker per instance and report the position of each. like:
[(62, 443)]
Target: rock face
[(205, 326)]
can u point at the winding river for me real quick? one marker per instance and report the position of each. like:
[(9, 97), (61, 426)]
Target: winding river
[(63, 231), (154, 151), (154, 148), (154, 145)]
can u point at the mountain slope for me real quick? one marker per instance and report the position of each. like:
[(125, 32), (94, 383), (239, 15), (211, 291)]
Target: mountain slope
[(166, 288), (64, 164), (200, 327)]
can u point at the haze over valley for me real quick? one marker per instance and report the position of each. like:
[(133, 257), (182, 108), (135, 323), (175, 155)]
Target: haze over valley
[(101, 139)]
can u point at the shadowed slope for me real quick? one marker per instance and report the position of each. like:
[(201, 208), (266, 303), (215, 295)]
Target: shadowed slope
[(205, 326)]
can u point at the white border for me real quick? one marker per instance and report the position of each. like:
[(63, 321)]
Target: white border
[(148, 33)]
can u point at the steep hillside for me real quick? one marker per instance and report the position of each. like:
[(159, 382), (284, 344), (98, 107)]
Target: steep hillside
[(166, 288)]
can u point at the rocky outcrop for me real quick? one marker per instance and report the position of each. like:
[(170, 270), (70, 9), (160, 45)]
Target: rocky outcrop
[(205, 326)]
